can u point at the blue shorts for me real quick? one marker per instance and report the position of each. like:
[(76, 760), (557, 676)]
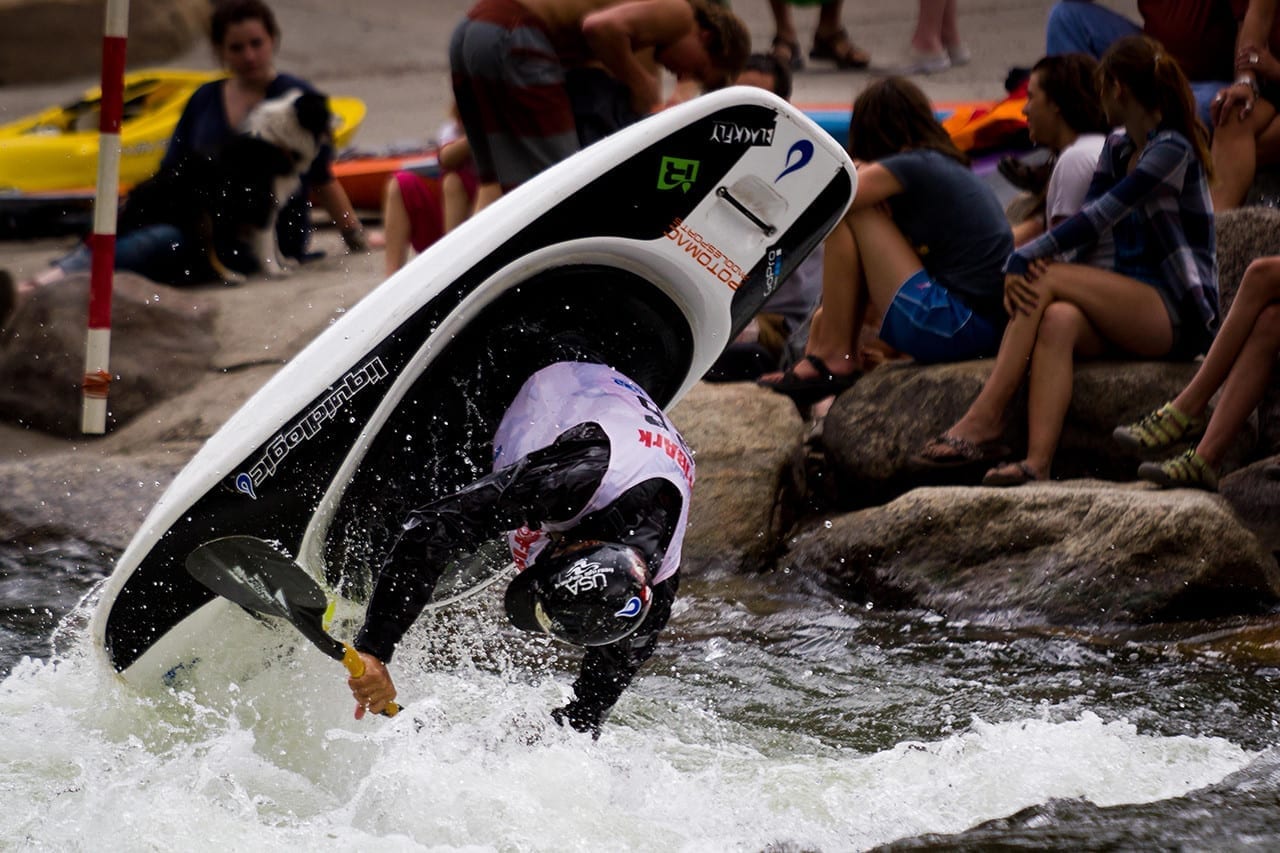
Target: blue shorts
[(927, 322)]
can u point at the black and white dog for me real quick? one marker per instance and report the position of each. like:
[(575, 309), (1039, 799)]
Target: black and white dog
[(236, 194)]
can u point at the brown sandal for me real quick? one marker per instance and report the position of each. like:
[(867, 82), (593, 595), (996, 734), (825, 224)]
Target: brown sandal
[(837, 48), (787, 52)]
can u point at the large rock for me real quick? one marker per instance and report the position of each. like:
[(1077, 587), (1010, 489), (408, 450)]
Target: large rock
[(743, 438), (48, 40), (1256, 500), (1082, 553), (162, 343), (874, 428)]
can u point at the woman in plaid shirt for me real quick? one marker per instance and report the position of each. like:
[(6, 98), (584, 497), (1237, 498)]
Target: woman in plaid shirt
[(1155, 297)]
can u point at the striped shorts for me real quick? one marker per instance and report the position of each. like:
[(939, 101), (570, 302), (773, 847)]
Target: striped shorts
[(509, 85)]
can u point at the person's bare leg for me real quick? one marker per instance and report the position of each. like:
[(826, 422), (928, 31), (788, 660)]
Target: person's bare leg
[(876, 277), (1244, 387), (1268, 144), (454, 201), (1259, 286), (395, 228), (833, 329), (784, 29), (486, 195), (1064, 334), (927, 37), (1121, 310), (1234, 153), (830, 18), (950, 30)]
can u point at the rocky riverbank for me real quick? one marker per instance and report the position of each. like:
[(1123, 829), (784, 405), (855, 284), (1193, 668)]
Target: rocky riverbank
[(1092, 548)]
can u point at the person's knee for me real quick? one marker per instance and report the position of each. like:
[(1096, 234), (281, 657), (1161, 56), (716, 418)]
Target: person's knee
[(1261, 280), (1267, 326), (1060, 327)]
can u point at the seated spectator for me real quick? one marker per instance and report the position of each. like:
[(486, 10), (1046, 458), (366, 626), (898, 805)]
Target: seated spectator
[(1246, 132), (417, 211), (1159, 299), (1065, 115), (1199, 34), (244, 34), (903, 251), (509, 62), (1240, 362)]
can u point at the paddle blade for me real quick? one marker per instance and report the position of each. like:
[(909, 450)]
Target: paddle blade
[(253, 574)]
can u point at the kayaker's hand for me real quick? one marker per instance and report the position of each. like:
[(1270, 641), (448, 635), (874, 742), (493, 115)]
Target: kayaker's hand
[(374, 689)]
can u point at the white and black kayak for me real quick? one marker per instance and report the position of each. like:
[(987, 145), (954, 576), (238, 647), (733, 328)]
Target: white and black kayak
[(654, 247)]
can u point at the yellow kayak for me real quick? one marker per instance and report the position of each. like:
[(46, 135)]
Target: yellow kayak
[(54, 153)]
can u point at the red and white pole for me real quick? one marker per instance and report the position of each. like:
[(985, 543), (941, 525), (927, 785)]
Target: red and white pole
[(97, 350)]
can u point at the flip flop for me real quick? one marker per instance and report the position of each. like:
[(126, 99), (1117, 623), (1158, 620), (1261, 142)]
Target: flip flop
[(1010, 474), (805, 391), (963, 453)]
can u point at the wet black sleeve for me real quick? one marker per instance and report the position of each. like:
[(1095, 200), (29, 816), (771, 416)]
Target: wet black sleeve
[(607, 670), (550, 484), (644, 517)]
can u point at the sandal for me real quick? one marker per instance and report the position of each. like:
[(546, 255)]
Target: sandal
[(808, 390), (1186, 471), (837, 48), (952, 451), (787, 52), (1010, 474)]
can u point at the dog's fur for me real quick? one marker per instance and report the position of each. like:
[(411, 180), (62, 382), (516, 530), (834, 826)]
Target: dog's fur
[(240, 190)]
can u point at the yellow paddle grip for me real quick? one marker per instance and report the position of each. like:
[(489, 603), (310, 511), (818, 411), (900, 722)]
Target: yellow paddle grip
[(355, 665)]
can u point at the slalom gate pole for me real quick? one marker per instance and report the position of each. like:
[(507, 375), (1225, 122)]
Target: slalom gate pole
[(97, 349)]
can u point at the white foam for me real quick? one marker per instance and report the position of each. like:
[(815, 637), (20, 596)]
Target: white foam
[(274, 757)]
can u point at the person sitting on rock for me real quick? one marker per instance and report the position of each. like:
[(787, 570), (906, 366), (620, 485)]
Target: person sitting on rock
[(903, 251), (1240, 362), (416, 211), (1159, 299), (1065, 115), (1246, 125)]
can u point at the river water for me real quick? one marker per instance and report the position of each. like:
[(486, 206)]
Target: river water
[(774, 717)]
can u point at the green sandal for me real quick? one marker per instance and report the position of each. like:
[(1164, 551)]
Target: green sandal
[(1163, 428), (1188, 471)]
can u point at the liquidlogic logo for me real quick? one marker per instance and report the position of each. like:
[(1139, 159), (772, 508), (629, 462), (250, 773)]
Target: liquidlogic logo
[(740, 134), (707, 255), (309, 425), (676, 172)]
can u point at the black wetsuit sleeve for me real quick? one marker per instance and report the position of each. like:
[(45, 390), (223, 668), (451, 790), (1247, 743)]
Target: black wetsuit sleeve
[(644, 517), (607, 670), (550, 484)]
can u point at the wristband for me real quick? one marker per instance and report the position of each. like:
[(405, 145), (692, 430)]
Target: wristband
[(1251, 82)]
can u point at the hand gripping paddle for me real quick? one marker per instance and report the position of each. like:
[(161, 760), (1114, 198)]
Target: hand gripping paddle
[(253, 574)]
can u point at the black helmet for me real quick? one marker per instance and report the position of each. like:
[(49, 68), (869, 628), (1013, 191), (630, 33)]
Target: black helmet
[(589, 594)]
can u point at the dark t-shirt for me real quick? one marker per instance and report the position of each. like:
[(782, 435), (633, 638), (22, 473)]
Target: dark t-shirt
[(204, 127), (956, 225)]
